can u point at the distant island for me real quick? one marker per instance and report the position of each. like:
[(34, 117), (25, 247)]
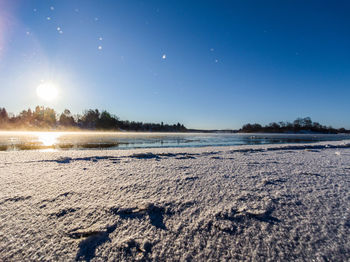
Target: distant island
[(45, 118), (300, 125)]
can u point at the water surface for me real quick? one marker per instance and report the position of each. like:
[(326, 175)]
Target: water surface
[(125, 140)]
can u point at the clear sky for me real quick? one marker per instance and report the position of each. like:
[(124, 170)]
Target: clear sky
[(206, 64)]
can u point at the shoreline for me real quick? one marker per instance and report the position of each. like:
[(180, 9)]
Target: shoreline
[(249, 202)]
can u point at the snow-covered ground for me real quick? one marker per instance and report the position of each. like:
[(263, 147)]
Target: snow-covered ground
[(260, 203)]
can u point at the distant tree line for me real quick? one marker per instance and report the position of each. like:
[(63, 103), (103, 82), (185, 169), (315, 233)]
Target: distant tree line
[(300, 125), (47, 118)]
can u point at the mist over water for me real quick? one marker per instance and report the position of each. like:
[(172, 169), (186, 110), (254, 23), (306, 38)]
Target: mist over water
[(10, 141)]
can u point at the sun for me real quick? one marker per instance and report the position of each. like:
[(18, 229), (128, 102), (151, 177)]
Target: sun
[(47, 91)]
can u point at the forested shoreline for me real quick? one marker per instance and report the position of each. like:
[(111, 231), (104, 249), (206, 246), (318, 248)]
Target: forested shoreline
[(300, 125), (45, 118)]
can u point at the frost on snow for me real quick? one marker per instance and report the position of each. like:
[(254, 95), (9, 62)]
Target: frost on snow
[(256, 203)]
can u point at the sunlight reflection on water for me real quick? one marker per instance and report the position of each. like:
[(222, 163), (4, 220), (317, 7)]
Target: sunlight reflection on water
[(48, 138)]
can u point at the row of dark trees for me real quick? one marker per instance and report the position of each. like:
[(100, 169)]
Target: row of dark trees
[(47, 118), (299, 125)]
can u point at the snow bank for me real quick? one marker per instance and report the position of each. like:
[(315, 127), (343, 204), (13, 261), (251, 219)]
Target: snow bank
[(260, 203)]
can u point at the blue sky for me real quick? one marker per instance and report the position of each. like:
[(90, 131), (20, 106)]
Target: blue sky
[(226, 62)]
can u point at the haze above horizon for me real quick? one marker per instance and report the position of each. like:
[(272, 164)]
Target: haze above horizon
[(206, 64)]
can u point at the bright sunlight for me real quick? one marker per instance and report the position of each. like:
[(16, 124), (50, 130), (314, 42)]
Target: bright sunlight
[(47, 91)]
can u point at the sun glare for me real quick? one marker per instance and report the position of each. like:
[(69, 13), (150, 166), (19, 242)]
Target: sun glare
[(48, 138), (47, 91)]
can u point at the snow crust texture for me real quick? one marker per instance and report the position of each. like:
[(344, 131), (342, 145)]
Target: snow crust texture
[(252, 203)]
